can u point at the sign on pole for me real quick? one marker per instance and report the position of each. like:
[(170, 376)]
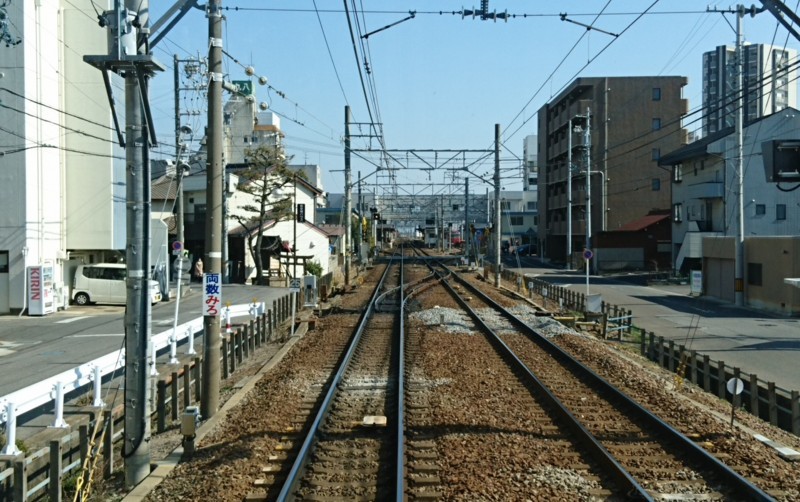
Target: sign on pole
[(212, 295), (294, 285)]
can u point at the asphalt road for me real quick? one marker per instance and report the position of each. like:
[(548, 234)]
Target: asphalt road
[(756, 342), (35, 348)]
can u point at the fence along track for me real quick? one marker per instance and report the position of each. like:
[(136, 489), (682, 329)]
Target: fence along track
[(352, 449), (644, 454)]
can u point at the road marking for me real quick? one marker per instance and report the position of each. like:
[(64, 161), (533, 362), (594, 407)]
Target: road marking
[(163, 322), (73, 319), (96, 335)]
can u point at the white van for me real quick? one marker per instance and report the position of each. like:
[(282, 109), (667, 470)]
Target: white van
[(105, 283)]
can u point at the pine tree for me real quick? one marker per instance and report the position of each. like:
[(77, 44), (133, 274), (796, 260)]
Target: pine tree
[(268, 180)]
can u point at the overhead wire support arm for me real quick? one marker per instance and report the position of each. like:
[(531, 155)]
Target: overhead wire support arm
[(411, 15), (779, 10), (587, 26)]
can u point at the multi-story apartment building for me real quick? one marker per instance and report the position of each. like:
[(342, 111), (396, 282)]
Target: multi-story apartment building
[(769, 78), (631, 121), (530, 159)]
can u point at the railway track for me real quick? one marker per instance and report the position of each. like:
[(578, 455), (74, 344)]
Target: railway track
[(353, 448), (643, 456)]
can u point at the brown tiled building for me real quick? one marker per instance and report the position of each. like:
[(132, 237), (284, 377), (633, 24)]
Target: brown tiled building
[(632, 121)]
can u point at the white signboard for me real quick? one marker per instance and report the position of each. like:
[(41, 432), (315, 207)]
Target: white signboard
[(697, 282), (294, 285), (212, 295)]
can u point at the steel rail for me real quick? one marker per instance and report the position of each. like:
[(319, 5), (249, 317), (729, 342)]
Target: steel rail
[(400, 457), (627, 484), (295, 474), (731, 479)]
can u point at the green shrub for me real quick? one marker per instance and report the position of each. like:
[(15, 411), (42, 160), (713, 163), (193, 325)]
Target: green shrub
[(314, 268)]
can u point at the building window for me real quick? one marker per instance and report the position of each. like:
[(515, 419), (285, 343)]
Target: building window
[(656, 93), (754, 276), (3, 262), (531, 206), (455, 207), (677, 173), (761, 209), (656, 124), (677, 212), (780, 211), (656, 184), (516, 220), (655, 154)]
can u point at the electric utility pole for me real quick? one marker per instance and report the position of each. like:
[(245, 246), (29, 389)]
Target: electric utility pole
[(347, 194), (497, 234), (738, 282), (214, 224), (466, 238)]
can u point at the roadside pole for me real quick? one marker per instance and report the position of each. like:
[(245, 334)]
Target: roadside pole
[(213, 247)]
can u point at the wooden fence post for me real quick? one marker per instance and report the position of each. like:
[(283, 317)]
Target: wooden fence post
[(721, 379), (108, 444), (651, 347), (754, 395), (187, 386), (233, 350), (239, 345), (225, 371), (773, 403), (83, 440), (661, 351), (253, 336), (174, 396), (693, 365), (247, 333), (56, 469), (671, 356), (197, 387), (20, 478), (161, 412), (796, 413)]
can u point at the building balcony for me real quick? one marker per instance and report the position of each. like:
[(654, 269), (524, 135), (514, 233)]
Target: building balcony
[(709, 190)]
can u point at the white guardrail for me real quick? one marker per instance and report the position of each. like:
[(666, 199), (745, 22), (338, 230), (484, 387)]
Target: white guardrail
[(41, 393)]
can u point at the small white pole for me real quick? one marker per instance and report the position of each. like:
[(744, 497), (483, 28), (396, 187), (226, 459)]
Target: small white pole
[(587, 277), (294, 310), (228, 329), (153, 370), (98, 384), (173, 347), (11, 431), (190, 334), (59, 420)]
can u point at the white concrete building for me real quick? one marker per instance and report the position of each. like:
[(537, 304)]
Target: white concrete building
[(704, 189), (61, 174)]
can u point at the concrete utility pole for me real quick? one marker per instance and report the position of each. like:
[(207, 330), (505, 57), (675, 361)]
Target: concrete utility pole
[(137, 257), (587, 142), (738, 283), (360, 232), (214, 226), (347, 193), (569, 195), (466, 239), (497, 233)]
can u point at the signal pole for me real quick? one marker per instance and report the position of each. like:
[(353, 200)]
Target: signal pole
[(214, 224), (497, 220)]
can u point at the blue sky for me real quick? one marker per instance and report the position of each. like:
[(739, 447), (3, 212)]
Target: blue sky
[(442, 82)]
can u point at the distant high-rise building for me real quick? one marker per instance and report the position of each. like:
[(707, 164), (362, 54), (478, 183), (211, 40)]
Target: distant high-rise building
[(530, 159), (769, 80)]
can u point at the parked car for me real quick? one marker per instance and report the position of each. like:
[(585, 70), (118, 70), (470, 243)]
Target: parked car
[(105, 283)]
